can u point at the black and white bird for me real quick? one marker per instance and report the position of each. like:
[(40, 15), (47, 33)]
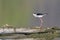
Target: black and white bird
[(39, 15)]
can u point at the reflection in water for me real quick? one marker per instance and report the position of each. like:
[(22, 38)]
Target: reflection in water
[(33, 39), (22, 39), (45, 36)]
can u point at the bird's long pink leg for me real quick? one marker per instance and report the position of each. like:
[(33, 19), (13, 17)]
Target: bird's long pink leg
[(41, 24)]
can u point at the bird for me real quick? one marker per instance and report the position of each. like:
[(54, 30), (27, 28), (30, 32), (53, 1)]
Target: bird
[(39, 15)]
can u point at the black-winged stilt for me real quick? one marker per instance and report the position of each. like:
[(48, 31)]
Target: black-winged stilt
[(40, 15)]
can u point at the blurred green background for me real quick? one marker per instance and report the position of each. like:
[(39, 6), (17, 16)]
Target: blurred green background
[(15, 12)]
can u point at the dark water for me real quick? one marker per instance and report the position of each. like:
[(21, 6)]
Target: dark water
[(27, 37), (21, 39), (32, 39)]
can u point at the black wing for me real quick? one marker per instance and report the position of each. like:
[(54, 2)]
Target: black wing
[(39, 14)]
